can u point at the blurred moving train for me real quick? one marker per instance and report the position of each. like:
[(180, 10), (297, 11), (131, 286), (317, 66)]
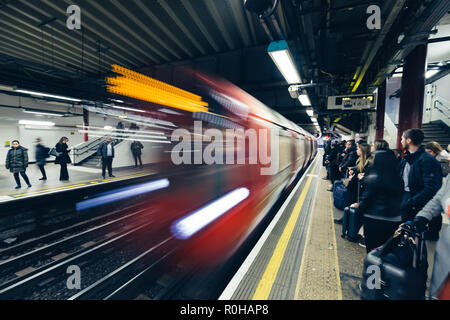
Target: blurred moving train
[(211, 209)]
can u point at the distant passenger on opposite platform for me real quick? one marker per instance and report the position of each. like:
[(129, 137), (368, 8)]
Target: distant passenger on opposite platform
[(17, 162), (422, 178), (63, 159), (41, 157), (136, 149), (106, 153)]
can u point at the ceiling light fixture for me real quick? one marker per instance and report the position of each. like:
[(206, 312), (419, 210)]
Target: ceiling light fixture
[(304, 100), (44, 112), (37, 123), (281, 56), (41, 94)]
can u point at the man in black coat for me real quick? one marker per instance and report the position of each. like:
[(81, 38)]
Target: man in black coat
[(421, 174), (106, 153), (136, 149), (41, 157), (350, 157)]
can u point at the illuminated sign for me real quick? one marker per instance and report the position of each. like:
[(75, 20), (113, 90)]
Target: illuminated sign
[(352, 102)]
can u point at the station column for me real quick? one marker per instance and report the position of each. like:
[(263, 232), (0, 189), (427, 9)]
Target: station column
[(381, 109), (413, 88), (85, 123)]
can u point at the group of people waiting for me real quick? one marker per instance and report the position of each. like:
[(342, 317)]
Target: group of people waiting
[(387, 188), (17, 160)]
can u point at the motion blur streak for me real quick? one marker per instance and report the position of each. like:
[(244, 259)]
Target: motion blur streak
[(189, 225), (122, 193), (139, 86)]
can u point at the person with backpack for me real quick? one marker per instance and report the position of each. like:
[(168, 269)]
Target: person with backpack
[(379, 203), (17, 162), (63, 157), (42, 153), (136, 148)]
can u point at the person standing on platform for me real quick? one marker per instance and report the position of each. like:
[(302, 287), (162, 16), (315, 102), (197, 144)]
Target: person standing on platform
[(421, 173), (106, 153), (41, 157), (63, 159), (440, 279), (136, 149), (17, 162), (350, 157), (379, 203)]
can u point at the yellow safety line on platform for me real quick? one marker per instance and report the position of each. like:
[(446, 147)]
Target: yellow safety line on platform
[(338, 277), (268, 279), (75, 185)]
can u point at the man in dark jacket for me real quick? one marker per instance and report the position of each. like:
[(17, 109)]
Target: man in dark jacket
[(136, 149), (106, 153), (421, 174), (350, 157), (17, 162), (41, 156)]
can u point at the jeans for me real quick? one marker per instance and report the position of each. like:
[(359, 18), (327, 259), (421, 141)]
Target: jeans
[(136, 158), (107, 162)]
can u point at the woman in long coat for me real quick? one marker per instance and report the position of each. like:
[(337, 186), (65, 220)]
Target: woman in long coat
[(63, 159)]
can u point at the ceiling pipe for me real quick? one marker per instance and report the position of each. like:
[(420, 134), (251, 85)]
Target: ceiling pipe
[(372, 49)]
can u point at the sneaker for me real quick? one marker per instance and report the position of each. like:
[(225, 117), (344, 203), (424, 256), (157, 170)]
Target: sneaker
[(43, 179), (18, 187), (29, 186), (111, 176), (362, 243), (338, 221), (103, 177)]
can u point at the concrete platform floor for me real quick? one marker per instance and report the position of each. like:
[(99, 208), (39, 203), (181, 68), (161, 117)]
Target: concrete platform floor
[(77, 175)]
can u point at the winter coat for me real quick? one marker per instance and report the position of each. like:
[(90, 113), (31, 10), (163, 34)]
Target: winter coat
[(41, 154), (64, 157), (424, 180), (136, 148), (382, 189), (349, 160), (103, 149), (17, 159), (440, 203)]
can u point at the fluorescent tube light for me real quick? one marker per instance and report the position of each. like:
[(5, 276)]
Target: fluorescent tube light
[(310, 112), (44, 112), (126, 108), (41, 94), (37, 123), (430, 73), (304, 100), (197, 220), (279, 52)]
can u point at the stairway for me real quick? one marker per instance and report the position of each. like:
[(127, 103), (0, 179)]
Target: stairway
[(437, 131), (94, 160)]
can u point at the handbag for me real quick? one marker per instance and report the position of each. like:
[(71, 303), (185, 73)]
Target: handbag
[(54, 153)]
